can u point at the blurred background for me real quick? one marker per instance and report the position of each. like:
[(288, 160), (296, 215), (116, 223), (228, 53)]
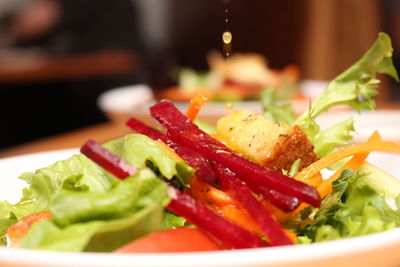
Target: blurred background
[(58, 56)]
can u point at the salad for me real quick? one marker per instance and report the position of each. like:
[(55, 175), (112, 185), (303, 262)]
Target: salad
[(241, 77), (252, 181)]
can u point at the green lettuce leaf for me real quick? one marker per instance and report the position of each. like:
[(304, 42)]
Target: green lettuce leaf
[(139, 149), (273, 111), (66, 182), (171, 221), (354, 208), (102, 221), (141, 190), (79, 173), (97, 236), (339, 134), (76, 173), (355, 87), (380, 180)]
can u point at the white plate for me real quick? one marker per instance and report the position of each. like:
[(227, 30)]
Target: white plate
[(373, 250), (387, 122), (134, 100)]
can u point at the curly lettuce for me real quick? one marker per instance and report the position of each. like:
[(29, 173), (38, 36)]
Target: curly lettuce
[(355, 87), (353, 209), (274, 111)]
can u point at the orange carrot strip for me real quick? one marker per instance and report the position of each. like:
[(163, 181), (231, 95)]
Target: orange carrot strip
[(20, 229), (207, 193), (291, 235), (374, 142), (368, 146), (315, 180), (277, 214), (195, 105), (223, 204), (239, 216), (326, 187)]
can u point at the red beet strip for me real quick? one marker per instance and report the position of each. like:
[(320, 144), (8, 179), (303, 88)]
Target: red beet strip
[(228, 233), (170, 117), (203, 168), (182, 131), (144, 129), (239, 191), (284, 202), (109, 161), (250, 172)]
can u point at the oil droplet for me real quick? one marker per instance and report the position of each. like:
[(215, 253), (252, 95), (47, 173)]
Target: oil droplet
[(228, 106), (227, 37)]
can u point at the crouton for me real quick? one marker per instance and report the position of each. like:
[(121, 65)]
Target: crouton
[(273, 145)]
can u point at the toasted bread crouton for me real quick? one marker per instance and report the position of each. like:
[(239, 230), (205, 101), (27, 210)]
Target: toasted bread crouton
[(274, 145)]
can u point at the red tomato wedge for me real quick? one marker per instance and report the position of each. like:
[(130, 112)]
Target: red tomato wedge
[(173, 240)]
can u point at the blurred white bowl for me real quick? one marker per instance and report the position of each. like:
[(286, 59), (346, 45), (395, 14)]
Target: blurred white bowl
[(123, 102)]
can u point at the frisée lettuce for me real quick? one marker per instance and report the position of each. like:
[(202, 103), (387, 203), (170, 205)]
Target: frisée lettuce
[(355, 87), (354, 208)]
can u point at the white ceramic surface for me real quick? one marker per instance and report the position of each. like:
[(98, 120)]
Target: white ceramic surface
[(373, 250), (134, 100), (387, 122), (126, 99)]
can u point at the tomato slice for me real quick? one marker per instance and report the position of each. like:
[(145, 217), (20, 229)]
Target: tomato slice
[(173, 240)]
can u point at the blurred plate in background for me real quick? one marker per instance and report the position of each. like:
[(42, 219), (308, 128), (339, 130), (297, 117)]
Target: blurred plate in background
[(123, 102), (119, 104)]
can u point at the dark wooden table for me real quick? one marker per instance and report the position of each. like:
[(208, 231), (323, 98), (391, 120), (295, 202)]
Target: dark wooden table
[(19, 69)]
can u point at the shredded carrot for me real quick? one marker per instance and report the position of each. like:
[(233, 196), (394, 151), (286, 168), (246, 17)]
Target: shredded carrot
[(223, 204), (374, 145), (315, 180), (277, 214), (239, 216), (360, 152), (207, 193), (20, 229), (326, 187), (291, 235), (195, 105)]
